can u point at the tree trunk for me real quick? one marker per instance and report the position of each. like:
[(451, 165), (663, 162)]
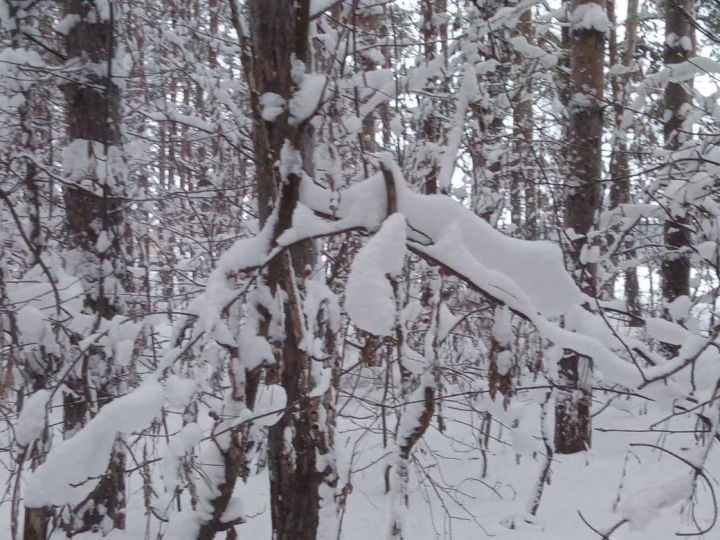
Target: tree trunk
[(583, 198), (502, 362), (94, 172), (619, 167), (433, 32), (488, 162), (36, 520), (679, 46), (573, 426), (523, 184), (279, 31)]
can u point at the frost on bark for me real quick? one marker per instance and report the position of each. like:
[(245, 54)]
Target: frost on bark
[(588, 24), (369, 18), (94, 173), (92, 160), (679, 47), (413, 425)]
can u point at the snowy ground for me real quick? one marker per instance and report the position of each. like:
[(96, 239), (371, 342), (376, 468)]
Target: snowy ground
[(588, 483), (451, 499)]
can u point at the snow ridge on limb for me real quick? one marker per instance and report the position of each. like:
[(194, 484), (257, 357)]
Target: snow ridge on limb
[(443, 231), (370, 302), (74, 466)]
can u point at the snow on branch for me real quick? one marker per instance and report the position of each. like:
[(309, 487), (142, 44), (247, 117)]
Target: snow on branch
[(527, 276), (446, 233), (74, 466)]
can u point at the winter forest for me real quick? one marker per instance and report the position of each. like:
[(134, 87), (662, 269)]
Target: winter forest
[(350, 269)]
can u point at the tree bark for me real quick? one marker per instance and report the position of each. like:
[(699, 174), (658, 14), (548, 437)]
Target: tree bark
[(523, 184), (36, 520), (434, 33), (619, 166), (94, 173), (489, 164), (679, 47), (502, 361), (300, 454), (573, 425), (583, 198)]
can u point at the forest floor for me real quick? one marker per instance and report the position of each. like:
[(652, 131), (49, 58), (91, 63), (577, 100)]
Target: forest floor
[(450, 498)]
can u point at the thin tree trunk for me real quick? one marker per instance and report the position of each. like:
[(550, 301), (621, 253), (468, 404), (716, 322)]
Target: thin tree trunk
[(488, 119), (36, 520), (433, 32), (619, 167), (415, 418), (501, 367), (522, 182)]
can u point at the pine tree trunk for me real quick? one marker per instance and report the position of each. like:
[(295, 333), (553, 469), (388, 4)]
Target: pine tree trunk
[(583, 198), (679, 47), (95, 215)]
